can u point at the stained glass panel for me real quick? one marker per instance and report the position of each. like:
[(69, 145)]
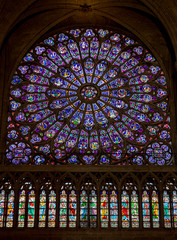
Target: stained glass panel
[(166, 209), (83, 209), (31, 208), (104, 209), (125, 209), (42, 209), (175, 208), (155, 209), (93, 208), (146, 209), (72, 209), (90, 96), (113, 209), (134, 209), (10, 209), (52, 209), (63, 209), (2, 207), (21, 210)]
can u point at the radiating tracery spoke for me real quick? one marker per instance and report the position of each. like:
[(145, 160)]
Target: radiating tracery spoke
[(89, 97)]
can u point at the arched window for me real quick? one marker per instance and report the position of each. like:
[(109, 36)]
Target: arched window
[(89, 96), (146, 209), (68, 206), (6, 204), (170, 204), (63, 208), (150, 206), (47, 205), (88, 205), (2, 206), (52, 209), (167, 210), (130, 206), (174, 212), (109, 206), (26, 209), (42, 209), (155, 208)]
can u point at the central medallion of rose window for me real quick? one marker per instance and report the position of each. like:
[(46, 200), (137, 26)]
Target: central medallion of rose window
[(89, 93)]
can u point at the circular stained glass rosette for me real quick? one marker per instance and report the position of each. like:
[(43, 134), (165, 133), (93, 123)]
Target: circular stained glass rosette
[(89, 96)]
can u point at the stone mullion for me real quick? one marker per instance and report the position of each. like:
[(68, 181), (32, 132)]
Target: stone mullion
[(140, 207), (98, 207), (26, 206), (109, 208), (130, 208), (88, 208), (68, 208), (119, 207), (161, 212), (37, 200), (16, 206), (78, 207), (57, 206), (47, 208), (150, 203), (171, 208), (5, 207)]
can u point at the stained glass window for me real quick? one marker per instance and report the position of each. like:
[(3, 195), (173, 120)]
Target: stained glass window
[(6, 204), (2, 207), (125, 209), (31, 208), (83, 209), (93, 208), (113, 209), (42, 209), (146, 209), (89, 96), (10, 209), (104, 209), (68, 206), (21, 210), (166, 209), (88, 206), (72, 208), (155, 209), (26, 207), (52, 209), (175, 208), (134, 209), (63, 209), (109, 206)]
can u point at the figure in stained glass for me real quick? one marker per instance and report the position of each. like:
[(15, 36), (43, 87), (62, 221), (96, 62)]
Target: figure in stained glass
[(10, 209), (21, 210), (42, 209), (31, 208), (146, 209), (104, 209), (63, 209), (125, 209), (155, 209), (52, 209), (83, 209), (2, 204), (134, 209), (166, 208)]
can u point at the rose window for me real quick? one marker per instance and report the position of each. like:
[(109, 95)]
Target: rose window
[(88, 96)]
